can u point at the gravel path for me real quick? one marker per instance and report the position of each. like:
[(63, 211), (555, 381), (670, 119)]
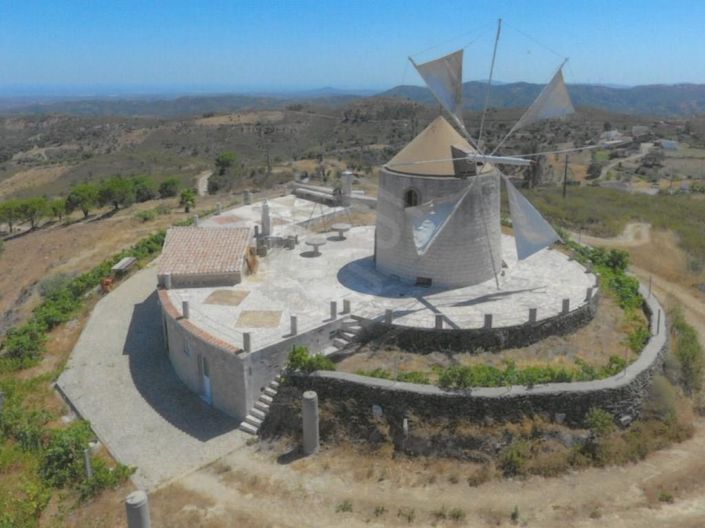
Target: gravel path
[(120, 379)]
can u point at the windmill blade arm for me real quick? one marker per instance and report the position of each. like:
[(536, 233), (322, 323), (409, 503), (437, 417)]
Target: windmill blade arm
[(504, 160)]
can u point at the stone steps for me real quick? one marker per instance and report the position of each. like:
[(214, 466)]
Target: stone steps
[(253, 421)]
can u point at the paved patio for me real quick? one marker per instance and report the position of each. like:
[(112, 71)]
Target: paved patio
[(298, 282), (120, 379)]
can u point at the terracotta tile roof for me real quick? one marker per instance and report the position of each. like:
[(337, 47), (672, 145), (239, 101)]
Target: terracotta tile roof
[(204, 250)]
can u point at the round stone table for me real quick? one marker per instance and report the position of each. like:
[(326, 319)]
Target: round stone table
[(316, 242), (341, 229)]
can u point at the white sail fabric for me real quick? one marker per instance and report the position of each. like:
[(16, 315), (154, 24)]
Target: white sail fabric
[(444, 77), (552, 102), (532, 232), (428, 219)]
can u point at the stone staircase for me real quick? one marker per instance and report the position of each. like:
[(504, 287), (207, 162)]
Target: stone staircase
[(347, 335), (259, 412)]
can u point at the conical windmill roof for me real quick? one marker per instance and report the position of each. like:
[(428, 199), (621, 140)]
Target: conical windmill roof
[(433, 143)]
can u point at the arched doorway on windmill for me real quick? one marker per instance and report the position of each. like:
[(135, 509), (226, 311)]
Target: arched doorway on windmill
[(412, 198)]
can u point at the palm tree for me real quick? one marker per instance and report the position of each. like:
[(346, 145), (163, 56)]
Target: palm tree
[(188, 199)]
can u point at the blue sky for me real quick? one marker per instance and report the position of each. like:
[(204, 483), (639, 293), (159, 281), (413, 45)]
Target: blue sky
[(297, 44)]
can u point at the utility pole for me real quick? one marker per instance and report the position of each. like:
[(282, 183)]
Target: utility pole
[(565, 176)]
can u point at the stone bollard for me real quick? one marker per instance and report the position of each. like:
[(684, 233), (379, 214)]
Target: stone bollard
[(294, 325), (185, 310), (310, 418), (488, 321), (195, 220), (137, 508), (167, 281), (346, 306), (87, 462), (588, 295), (219, 207), (388, 316), (247, 198), (439, 321), (533, 315), (566, 306), (333, 310), (247, 342)]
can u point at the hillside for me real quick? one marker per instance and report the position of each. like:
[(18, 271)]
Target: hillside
[(653, 100), (677, 100)]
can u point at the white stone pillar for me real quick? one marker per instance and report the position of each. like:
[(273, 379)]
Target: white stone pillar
[(247, 198), (185, 309), (195, 220), (266, 220), (533, 315), (309, 410), (87, 462), (137, 508), (333, 310), (294, 325), (167, 281), (346, 306), (247, 342)]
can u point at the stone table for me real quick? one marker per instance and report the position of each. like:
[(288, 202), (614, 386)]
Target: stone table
[(341, 229), (316, 242)]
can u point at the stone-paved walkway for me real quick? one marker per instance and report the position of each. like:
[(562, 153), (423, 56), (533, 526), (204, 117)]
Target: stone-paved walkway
[(120, 379)]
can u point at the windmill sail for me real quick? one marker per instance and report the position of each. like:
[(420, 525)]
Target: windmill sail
[(428, 219), (552, 102), (532, 232), (444, 77)]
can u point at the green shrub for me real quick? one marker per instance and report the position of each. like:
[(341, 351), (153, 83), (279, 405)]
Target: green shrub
[(345, 506), (62, 458), (414, 377), (301, 360), (514, 457), (53, 284), (146, 216), (375, 373), (103, 478), (599, 421), (688, 351), (25, 342)]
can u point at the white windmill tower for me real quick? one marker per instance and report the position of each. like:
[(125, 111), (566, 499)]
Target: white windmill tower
[(438, 216)]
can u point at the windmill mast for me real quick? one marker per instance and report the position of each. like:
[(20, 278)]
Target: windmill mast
[(489, 84)]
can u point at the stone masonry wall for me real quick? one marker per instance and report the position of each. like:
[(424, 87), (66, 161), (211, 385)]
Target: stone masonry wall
[(621, 395), (493, 339)]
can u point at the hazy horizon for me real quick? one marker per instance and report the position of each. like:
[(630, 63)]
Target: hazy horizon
[(66, 48)]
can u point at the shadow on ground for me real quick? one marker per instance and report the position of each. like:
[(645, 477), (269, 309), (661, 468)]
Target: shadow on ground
[(157, 382)]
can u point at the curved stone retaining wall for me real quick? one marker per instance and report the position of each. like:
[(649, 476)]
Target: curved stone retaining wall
[(492, 339), (622, 395)]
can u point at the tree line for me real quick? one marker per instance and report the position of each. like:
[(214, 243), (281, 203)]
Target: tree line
[(116, 192)]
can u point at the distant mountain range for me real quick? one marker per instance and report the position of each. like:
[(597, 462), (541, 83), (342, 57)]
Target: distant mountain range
[(654, 99), (659, 100)]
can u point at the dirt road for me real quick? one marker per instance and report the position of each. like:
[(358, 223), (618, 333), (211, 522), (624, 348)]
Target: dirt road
[(202, 180)]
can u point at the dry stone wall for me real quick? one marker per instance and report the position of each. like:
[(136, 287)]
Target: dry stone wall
[(621, 395)]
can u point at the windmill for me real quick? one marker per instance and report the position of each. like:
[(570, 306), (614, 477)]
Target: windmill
[(438, 219)]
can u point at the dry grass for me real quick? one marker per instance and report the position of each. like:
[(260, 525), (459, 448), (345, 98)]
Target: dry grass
[(28, 179), (178, 507)]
